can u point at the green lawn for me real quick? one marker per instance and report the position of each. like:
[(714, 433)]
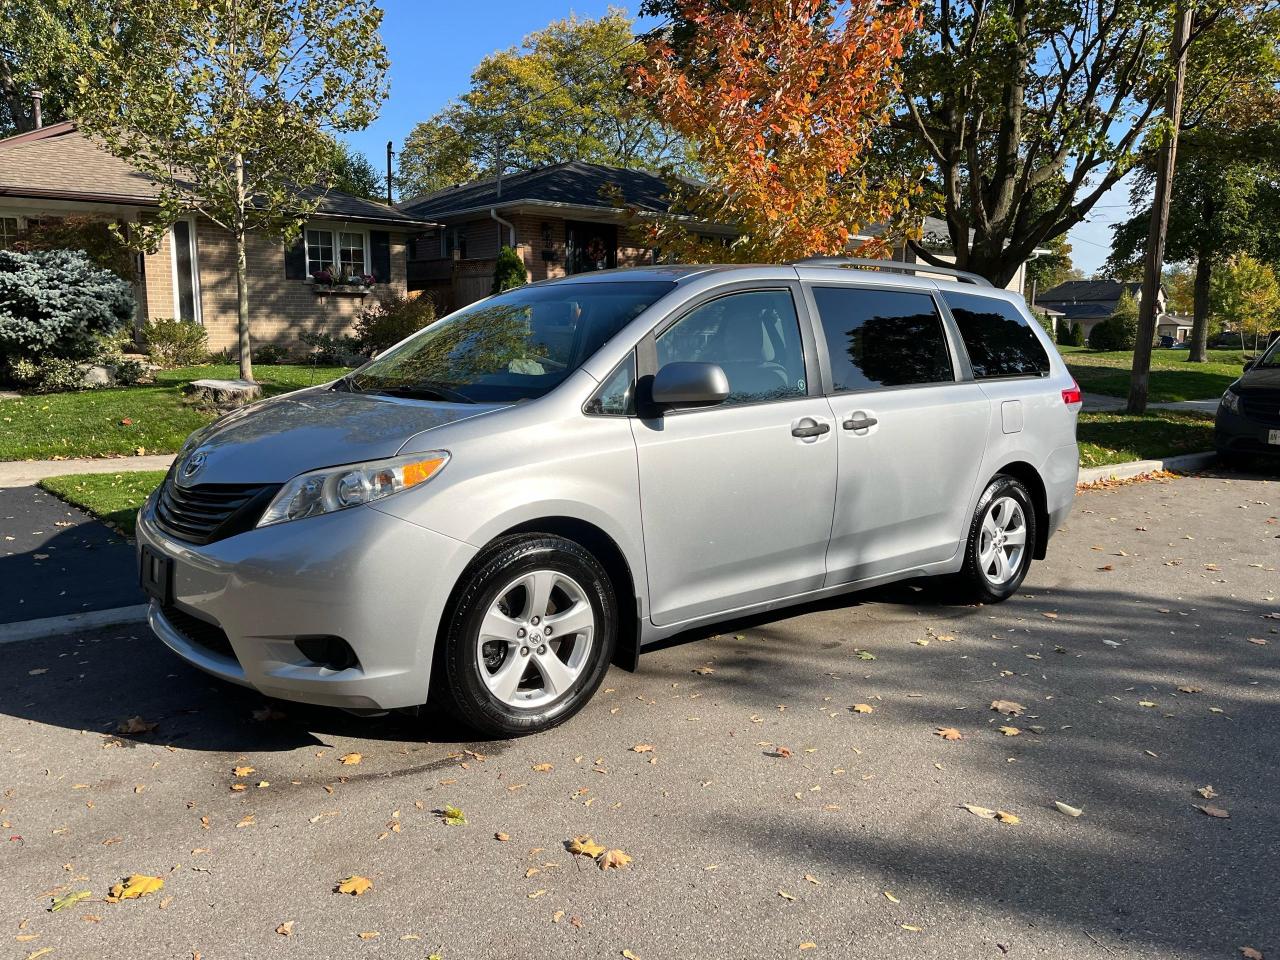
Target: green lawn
[(92, 423), (1172, 377), (113, 497), (1107, 438)]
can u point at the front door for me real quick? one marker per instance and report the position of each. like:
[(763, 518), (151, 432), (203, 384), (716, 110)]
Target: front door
[(910, 436), (590, 246), (736, 499)]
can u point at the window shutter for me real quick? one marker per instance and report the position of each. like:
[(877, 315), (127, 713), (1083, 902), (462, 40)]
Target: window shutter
[(295, 261), (380, 250)]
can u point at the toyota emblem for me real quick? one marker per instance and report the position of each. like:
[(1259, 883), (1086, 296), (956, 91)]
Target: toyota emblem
[(193, 464)]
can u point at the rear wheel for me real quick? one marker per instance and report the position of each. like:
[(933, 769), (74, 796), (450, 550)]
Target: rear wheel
[(531, 635), (1001, 539)]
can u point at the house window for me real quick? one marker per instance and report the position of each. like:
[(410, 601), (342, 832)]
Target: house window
[(319, 251), (346, 252), (8, 232), (351, 254)]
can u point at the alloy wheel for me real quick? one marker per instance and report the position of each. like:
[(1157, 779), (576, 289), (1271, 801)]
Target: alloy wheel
[(1002, 540)]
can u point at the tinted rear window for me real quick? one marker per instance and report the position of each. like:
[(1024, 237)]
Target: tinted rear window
[(882, 338), (996, 335)]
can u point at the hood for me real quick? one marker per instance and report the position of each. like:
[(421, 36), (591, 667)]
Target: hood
[(1263, 380), (277, 439)]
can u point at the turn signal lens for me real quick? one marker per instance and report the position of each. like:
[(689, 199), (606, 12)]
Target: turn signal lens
[(337, 488), (1072, 394)]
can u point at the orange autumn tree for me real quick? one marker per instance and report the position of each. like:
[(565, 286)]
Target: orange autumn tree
[(781, 99)]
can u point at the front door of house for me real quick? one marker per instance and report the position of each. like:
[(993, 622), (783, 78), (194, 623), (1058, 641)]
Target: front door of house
[(590, 246)]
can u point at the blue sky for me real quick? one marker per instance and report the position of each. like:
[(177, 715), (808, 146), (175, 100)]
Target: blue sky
[(435, 44)]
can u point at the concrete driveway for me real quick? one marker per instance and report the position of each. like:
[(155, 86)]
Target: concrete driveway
[(768, 819)]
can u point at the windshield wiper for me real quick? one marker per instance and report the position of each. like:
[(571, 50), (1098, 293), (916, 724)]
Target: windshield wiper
[(425, 391)]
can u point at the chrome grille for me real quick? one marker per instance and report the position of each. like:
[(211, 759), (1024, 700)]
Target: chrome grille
[(210, 511)]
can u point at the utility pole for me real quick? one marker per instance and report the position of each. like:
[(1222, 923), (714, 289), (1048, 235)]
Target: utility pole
[(1140, 380), (390, 154)]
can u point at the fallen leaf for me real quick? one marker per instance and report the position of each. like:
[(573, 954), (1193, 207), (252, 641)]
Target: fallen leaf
[(785, 896), (584, 846), (542, 768), (1212, 811), (245, 821), (354, 885), (862, 708), (1188, 689), (368, 935), (241, 771), (69, 900), (643, 748), (557, 916), (864, 654), (36, 954), (1066, 808), (1146, 703), (1009, 707), (807, 945), (704, 670), (285, 929), (783, 752), (132, 887), (1004, 816), (1010, 731), (891, 898), (613, 860), (503, 837), (628, 955), (948, 733), (452, 816), (1251, 954), (1207, 791), (350, 759), (135, 725)]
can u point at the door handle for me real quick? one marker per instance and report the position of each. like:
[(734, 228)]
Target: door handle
[(860, 424), (808, 427)]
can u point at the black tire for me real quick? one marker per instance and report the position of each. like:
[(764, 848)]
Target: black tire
[(972, 582), (469, 697)]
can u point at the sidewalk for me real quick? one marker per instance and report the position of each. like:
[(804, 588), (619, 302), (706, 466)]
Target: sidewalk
[(24, 473), (1101, 402)]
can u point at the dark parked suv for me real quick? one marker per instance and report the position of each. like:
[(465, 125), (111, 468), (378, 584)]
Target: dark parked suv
[(1248, 419)]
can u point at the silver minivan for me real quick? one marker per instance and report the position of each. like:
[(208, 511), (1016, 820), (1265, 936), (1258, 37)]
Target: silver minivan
[(549, 480)]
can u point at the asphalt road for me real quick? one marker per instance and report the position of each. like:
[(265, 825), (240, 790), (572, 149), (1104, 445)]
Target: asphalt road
[(855, 842)]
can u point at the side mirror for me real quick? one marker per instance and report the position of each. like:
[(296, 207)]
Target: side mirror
[(684, 384)]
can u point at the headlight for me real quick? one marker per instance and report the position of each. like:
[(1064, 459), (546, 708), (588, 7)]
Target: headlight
[(337, 488), (1231, 401)]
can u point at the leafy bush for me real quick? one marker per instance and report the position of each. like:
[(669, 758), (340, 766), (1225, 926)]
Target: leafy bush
[(1077, 335), (270, 354), (386, 322), (176, 343), (330, 351), (1063, 332), (509, 271), (49, 375), (225, 357), (1110, 334), (57, 303), (130, 373)]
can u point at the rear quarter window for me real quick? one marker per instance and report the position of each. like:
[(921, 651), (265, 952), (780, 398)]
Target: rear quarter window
[(998, 338)]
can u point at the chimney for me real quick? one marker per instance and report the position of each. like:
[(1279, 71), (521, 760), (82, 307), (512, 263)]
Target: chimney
[(36, 96)]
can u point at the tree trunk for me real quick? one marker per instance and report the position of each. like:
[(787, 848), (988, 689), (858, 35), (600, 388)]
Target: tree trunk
[(242, 308), (1200, 312), (1140, 380), (242, 275)]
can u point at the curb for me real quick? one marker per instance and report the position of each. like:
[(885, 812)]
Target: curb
[(72, 623), (1136, 468)]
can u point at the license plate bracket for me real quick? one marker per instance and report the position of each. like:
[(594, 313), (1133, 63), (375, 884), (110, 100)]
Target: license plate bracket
[(156, 576), (1273, 436)]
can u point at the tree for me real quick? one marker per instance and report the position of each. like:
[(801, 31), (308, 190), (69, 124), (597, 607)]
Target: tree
[(1048, 270), (781, 99), (1029, 112), (1246, 294), (562, 95), (226, 104), (509, 271), (31, 33), (352, 172)]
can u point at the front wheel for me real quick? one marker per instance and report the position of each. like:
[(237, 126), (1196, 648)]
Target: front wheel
[(531, 635), (1001, 539)]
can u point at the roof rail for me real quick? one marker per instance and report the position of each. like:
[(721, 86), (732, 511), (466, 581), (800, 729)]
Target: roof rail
[(893, 266)]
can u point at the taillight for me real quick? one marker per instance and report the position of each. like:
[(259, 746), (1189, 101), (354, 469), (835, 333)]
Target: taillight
[(1072, 394)]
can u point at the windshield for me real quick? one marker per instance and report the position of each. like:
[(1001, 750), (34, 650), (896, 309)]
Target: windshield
[(515, 346), (1271, 358)]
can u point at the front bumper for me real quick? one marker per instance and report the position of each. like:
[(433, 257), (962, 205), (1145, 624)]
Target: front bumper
[(1238, 433), (378, 582)]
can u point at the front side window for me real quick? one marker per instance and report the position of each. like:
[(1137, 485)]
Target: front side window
[(997, 336), (319, 251), (351, 254), (754, 336), (516, 346), (882, 338)]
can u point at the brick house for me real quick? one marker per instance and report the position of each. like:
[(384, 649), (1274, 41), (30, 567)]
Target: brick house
[(562, 219), (57, 172), (1089, 302)]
